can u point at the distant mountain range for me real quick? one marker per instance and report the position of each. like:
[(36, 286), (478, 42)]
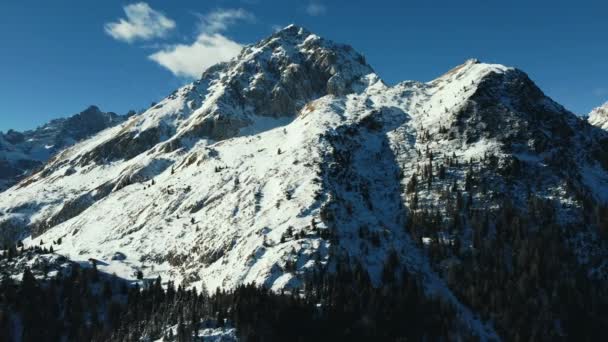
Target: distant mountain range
[(22, 152)]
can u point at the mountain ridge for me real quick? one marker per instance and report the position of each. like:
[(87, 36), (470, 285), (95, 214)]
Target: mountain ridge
[(599, 116), (22, 152)]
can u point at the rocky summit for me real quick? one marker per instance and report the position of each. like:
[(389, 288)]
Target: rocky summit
[(295, 157), (599, 116)]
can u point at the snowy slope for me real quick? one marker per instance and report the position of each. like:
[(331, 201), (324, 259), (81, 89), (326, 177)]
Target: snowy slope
[(294, 155), (263, 87), (218, 213), (175, 137), (599, 116)]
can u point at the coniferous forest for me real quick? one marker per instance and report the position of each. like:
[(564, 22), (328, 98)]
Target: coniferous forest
[(541, 298), (86, 305), (518, 274)]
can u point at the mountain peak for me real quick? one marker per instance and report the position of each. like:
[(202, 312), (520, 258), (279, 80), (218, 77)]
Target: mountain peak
[(599, 116), (91, 109), (472, 61), (473, 71), (293, 29)]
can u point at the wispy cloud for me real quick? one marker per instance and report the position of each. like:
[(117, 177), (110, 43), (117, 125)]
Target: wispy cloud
[(221, 19), (316, 9), (601, 91), (141, 23), (210, 46)]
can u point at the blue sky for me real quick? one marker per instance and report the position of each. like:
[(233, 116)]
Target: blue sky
[(60, 56)]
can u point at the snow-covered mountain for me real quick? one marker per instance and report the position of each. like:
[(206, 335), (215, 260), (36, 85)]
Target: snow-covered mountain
[(22, 152), (599, 116), (295, 154)]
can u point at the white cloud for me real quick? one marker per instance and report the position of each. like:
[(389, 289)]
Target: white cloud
[(209, 48), (221, 19), (191, 60), (316, 9), (142, 23)]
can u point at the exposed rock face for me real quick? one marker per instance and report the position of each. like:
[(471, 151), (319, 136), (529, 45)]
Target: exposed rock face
[(22, 152), (293, 67), (267, 82), (599, 116)]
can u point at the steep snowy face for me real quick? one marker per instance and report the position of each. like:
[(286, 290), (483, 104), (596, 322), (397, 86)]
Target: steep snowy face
[(482, 109), (599, 116), (533, 129), (263, 87), (21, 152), (277, 76), (491, 125)]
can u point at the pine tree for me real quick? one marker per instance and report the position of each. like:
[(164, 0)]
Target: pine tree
[(412, 184)]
